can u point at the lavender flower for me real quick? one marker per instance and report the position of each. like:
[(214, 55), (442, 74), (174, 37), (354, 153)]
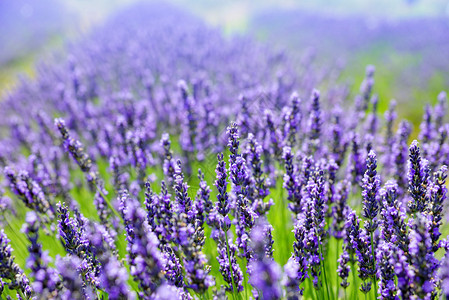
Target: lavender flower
[(438, 192), (444, 275), (260, 191), (169, 162), (173, 269), (371, 183), (427, 129), (386, 271), (389, 142), (400, 148), (265, 272), (343, 269), (290, 280), (229, 268), (182, 197), (294, 119), (291, 183), (393, 225), (221, 185), (246, 220), (145, 259), (339, 140), (74, 288), (233, 142), (203, 204), (300, 260), (340, 208), (46, 279), (359, 241), (356, 166), (273, 142), (404, 275), (423, 262), (314, 124), (9, 270), (418, 177), (29, 192)]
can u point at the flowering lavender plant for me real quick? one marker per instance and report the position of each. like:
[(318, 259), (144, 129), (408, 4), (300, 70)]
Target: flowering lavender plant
[(300, 193)]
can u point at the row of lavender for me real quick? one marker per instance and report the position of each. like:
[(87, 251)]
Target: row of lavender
[(119, 95)]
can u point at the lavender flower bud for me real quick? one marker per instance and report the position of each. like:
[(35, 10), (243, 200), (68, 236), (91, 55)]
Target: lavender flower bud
[(418, 177), (438, 193), (169, 162), (371, 183), (221, 185)]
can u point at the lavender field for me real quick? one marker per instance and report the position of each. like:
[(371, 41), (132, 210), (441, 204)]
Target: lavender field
[(158, 158)]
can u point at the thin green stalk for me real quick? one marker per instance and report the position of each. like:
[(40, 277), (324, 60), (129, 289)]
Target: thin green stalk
[(21, 294), (354, 278), (374, 266), (336, 262), (246, 278), (324, 272), (284, 208), (230, 265), (107, 201), (310, 288), (345, 293)]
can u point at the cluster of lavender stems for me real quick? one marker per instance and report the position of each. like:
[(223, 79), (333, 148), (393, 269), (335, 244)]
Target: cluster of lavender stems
[(188, 166)]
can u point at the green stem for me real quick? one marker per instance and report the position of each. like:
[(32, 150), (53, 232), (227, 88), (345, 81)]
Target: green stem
[(336, 261), (230, 265), (324, 271), (107, 201), (310, 288), (374, 265), (354, 278), (21, 294)]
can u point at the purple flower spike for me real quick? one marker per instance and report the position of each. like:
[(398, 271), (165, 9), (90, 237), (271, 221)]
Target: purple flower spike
[(265, 273), (444, 275), (386, 271), (423, 262), (46, 279), (400, 154), (169, 165), (10, 271), (438, 191), (70, 268), (29, 192), (314, 124), (393, 225), (234, 278), (371, 183), (418, 179), (221, 184), (343, 268), (359, 242), (146, 261), (290, 280), (291, 183)]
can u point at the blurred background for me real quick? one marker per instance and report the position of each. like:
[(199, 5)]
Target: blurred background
[(407, 40)]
